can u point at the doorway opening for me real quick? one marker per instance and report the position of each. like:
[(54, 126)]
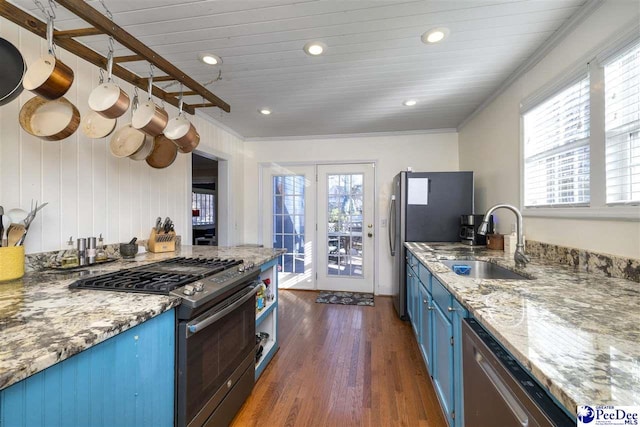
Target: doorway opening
[(204, 200)]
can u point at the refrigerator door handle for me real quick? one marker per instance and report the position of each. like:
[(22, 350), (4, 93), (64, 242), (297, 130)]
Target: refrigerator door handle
[(392, 225)]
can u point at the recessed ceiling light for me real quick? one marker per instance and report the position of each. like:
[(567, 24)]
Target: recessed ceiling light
[(265, 111), (435, 35), (410, 102), (314, 48), (210, 59)]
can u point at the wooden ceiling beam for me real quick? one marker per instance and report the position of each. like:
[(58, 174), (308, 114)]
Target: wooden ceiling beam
[(128, 58), (80, 32), (205, 105), (25, 20), (185, 93), (83, 11)]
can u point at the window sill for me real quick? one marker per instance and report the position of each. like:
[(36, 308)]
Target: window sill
[(615, 213)]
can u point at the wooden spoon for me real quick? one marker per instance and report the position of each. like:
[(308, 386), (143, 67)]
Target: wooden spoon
[(16, 231)]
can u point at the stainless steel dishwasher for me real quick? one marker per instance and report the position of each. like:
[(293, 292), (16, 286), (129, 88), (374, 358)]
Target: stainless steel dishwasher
[(497, 391)]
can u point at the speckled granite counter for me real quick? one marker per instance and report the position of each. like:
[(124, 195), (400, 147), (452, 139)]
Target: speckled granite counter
[(43, 322), (578, 334)]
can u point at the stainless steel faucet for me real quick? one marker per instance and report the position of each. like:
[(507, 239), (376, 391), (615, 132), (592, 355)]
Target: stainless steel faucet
[(519, 257)]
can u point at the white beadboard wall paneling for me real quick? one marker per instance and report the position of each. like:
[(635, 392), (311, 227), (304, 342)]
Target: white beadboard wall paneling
[(89, 191)]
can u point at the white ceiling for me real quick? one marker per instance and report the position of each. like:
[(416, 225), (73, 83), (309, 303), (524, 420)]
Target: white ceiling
[(374, 59)]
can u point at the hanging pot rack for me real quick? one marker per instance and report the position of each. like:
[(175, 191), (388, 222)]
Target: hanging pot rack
[(103, 25)]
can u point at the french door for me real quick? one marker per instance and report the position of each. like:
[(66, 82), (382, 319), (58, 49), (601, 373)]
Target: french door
[(323, 216), (345, 227), (289, 222)]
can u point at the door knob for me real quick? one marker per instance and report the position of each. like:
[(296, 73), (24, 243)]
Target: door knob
[(370, 234), (370, 226)]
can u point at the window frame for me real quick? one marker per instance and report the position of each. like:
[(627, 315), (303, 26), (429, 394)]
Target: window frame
[(597, 209)]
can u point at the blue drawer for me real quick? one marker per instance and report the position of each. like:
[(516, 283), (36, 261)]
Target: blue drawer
[(441, 296)]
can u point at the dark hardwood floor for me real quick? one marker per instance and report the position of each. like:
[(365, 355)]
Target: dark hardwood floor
[(342, 366)]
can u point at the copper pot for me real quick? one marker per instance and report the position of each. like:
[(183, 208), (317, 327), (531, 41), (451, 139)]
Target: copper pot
[(181, 131), (126, 141), (145, 150), (164, 153), (184, 149), (48, 77), (49, 120), (109, 100), (150, 118)]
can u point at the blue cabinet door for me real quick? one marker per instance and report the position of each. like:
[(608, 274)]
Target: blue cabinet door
[(443, 361), (426, 322), (459, 313), (127, 380)]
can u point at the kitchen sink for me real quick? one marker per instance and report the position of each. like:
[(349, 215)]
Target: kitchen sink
[(481, 270)]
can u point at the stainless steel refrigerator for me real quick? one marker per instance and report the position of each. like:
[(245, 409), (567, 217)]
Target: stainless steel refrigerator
[(424, 207)]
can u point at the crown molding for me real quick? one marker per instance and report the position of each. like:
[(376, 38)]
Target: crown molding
[(351, 135)]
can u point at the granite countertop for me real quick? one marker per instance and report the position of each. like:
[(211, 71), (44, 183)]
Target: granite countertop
[(43, 322), (579, 334)]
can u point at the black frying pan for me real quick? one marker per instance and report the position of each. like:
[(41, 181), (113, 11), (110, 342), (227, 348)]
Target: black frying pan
[(12, 69)]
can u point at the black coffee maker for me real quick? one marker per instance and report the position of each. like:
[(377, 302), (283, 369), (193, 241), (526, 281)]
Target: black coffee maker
[(469, 229)]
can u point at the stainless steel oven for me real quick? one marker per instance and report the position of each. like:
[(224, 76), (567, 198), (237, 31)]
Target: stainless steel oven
[(216, 360), (215, 327)]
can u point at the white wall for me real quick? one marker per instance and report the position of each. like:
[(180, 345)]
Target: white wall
[(424, 152), (89, 191), (490, 142)]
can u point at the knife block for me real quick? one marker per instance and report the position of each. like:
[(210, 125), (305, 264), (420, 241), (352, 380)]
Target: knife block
[(162, 242)]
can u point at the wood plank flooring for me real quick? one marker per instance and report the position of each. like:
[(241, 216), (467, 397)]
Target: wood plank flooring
[(342, 366)]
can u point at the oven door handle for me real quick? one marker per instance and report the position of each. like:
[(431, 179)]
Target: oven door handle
[(197, 327)]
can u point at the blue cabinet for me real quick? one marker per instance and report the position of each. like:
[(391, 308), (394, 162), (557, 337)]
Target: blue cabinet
[(443, 360), (438, 331), (127, 380)]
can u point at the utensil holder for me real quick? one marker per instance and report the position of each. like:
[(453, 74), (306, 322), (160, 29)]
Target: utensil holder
[(162, 242), (11, 263)]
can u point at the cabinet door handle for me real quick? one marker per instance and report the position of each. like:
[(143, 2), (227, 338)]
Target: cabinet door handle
[(424, 301), (409, 274), (430, 307), (451, 309)]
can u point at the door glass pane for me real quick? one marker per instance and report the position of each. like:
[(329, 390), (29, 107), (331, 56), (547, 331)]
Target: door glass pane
[(344, 228), (288, 221)]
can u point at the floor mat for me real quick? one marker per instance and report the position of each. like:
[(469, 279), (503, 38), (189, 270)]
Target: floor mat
[(345, 298)]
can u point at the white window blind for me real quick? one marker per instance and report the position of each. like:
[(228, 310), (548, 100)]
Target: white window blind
[(556, 149), (622, 126)]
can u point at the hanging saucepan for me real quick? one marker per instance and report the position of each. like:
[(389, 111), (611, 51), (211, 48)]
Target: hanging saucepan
[(164, 153), (96, 126), (108, 99), (48, 77), (150, 118), (146, 149), (49, 120), (127, 140), (181, 131), (12, 69), (184, 149)]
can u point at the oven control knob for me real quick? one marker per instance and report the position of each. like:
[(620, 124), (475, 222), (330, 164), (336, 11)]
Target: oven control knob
[(241, 268), (250, 265), (188, 290), (198, 286)]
